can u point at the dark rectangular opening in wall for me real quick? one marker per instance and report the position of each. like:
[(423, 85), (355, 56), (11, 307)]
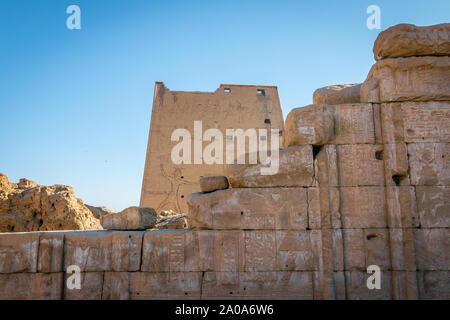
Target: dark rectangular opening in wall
[(261, 92), (227, 90), (267, 121)]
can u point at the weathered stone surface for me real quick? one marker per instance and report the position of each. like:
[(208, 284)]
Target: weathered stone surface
[(434, 285), (353, 124), (402, 250), (29, 207), (294, 251), (396, 165), (337, 94), (98, 212), (229, 107), (132, 218), (51, 250), (429, 163), (433, 204), (257, 285), (31, 286), (404, 285), (329, 285), (416, 122), (91, 287), (295, 169), (249, 208), (363, 207), (18, 252), (360, 165), (209, 184), (174, 221), (170, 251), (432, 249), (116, 286), (103, 250), (310, 125), (356, 286), (401, 207), (160, 286), (366, 247), (408, 79), (407, 40)]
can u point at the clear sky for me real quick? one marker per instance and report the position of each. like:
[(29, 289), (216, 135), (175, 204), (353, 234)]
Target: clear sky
[(75, 105)]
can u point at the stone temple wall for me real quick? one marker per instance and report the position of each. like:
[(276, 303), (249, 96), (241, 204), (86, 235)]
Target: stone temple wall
[(364, 179)]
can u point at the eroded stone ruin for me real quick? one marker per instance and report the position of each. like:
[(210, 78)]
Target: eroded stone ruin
[(363, 180)]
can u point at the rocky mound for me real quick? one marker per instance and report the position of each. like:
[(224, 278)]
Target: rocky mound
[(27, 206)]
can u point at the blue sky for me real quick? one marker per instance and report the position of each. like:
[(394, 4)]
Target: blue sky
[(75, 105)]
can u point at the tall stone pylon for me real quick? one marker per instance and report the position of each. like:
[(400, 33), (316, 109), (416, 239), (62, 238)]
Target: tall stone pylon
[(166, 185)]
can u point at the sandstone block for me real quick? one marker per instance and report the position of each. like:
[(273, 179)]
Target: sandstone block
[(209, 184), (432, 249), (162, 285), (132, 218), (260, 251), (257, 285), (115, 286), (329, 285), (310, 125), (18, 252), (407, 40), (363, 207), (429, 163), (353, 124), (434, 285), (433, 204), (337, 94), (103, 250), (402, 251), (404, 285), (31, 286), (360, 165), (354, 254), (249, 208), (356, 286), (396, 165), (50, 255), (376, 244), (295, 168), (416, 122), (91, 287), (408, 79)]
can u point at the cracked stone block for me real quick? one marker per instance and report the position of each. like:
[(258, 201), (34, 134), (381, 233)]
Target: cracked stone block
[(91, 286), (258, 285), (433, 204), (434, 285), (103, 250)]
